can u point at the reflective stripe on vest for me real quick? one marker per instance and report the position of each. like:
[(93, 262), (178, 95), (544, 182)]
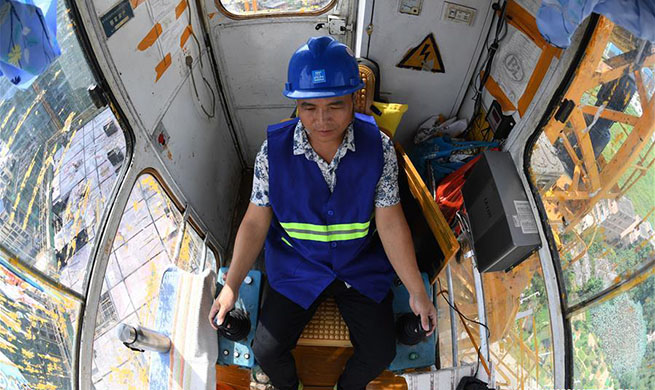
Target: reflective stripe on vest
[(326, 233)]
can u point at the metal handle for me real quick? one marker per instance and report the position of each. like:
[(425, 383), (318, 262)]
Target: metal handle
[(143, 339)]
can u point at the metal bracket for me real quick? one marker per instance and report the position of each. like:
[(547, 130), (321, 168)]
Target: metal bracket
[(338, 26), (203, 259), (98, 96), (564, 111), (181, 232)]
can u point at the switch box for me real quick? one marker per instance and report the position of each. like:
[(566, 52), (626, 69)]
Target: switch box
[(411, 356), (410, 7), (458, 13), (240, 352)]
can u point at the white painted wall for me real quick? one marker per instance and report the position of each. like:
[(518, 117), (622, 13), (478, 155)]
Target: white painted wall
[(201, 159), (426, 93), (253, 55)]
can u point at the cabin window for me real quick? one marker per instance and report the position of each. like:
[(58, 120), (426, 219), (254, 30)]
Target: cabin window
[(211, 260), (151, 237), (516, 309), (38, 328), (262, 8), (60, 158), (594, 172)]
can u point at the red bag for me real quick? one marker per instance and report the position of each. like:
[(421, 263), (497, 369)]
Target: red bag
[(449, 191)]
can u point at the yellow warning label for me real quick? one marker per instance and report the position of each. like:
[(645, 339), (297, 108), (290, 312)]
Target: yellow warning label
[(425, 56)]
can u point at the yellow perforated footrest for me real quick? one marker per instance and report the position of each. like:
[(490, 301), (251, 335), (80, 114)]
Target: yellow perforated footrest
[(327, 328)]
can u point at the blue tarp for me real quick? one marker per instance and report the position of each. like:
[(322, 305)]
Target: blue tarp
[(28, 42), (558, 19), (444, 155)]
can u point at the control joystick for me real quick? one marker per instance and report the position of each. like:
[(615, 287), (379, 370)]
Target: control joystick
[(409, 330), (236, 325)]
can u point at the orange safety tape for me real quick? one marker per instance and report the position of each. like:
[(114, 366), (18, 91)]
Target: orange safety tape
[(150, 38)]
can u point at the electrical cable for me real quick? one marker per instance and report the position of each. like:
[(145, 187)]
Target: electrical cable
[(443, 293), (466, 230), (479, 77), (370, 23), (189, 63)]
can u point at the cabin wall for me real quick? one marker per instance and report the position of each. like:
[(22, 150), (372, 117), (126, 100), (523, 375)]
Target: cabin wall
[(199, 155), (395, 33), (253, 55)]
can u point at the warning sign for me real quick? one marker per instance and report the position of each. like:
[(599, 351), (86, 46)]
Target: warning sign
[(425, 56)]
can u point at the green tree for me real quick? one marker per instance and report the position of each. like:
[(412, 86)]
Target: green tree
[(644, 378), (621, 331), (593, 285)]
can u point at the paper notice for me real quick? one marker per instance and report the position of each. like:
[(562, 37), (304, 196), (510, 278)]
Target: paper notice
[(170, 38), (161, 8), (514, 63)]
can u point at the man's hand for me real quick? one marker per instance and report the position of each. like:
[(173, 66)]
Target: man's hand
[(422, 306), (222, 304), (397, 241), (249, 242)]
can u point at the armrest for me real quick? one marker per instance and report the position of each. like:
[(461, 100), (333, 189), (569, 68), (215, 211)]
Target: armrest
[(433, 217)]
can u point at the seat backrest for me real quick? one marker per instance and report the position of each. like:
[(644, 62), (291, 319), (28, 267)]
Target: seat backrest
[(364, 97)]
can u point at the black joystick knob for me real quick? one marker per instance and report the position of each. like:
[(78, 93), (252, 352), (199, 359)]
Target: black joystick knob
[(409, 330), (236, 325)]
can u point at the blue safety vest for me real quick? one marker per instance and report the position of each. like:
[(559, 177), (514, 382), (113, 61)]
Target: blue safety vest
[(316, 235)]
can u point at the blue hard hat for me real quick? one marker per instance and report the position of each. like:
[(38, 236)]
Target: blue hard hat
[(323, 67)]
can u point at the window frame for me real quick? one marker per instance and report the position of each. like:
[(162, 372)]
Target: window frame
[(221, 8), (181, 207), (130, 142)]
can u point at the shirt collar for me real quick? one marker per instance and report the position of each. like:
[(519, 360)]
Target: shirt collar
[(301, 143)]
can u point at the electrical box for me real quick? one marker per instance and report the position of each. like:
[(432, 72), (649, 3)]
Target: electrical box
[(503, 225), (240, 352), (410, 7), (499, 123), (421, 354), (458, 13)]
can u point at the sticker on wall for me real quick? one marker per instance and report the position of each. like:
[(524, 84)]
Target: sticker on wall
[(116, 17), (162, 66), (425, 57), (514, 63), (410, 7)]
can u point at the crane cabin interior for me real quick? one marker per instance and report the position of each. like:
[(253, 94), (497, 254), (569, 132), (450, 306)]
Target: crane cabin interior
[(523, 131)]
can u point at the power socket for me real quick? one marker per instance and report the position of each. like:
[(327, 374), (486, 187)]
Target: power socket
[(458, 13)]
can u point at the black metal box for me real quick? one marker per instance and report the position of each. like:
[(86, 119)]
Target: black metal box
[(502, 222)]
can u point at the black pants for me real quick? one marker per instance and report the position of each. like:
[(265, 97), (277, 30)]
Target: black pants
[(371, 327)]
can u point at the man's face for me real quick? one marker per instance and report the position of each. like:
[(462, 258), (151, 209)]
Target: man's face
[(326, 119)]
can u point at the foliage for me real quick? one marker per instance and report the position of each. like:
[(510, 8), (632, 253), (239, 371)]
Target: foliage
[(593, 285), (620, 329), (644, 378), (645, 293)]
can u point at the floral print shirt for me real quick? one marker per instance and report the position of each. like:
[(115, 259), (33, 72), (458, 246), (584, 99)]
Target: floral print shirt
[(386, 194)]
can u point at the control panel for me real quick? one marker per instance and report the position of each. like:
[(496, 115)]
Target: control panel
[(422, 352), (239, 352)]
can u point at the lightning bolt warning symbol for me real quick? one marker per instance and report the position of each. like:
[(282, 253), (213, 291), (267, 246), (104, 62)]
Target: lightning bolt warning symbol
[(424, 56)]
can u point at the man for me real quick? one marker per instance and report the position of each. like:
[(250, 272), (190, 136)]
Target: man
[(318, 181)]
